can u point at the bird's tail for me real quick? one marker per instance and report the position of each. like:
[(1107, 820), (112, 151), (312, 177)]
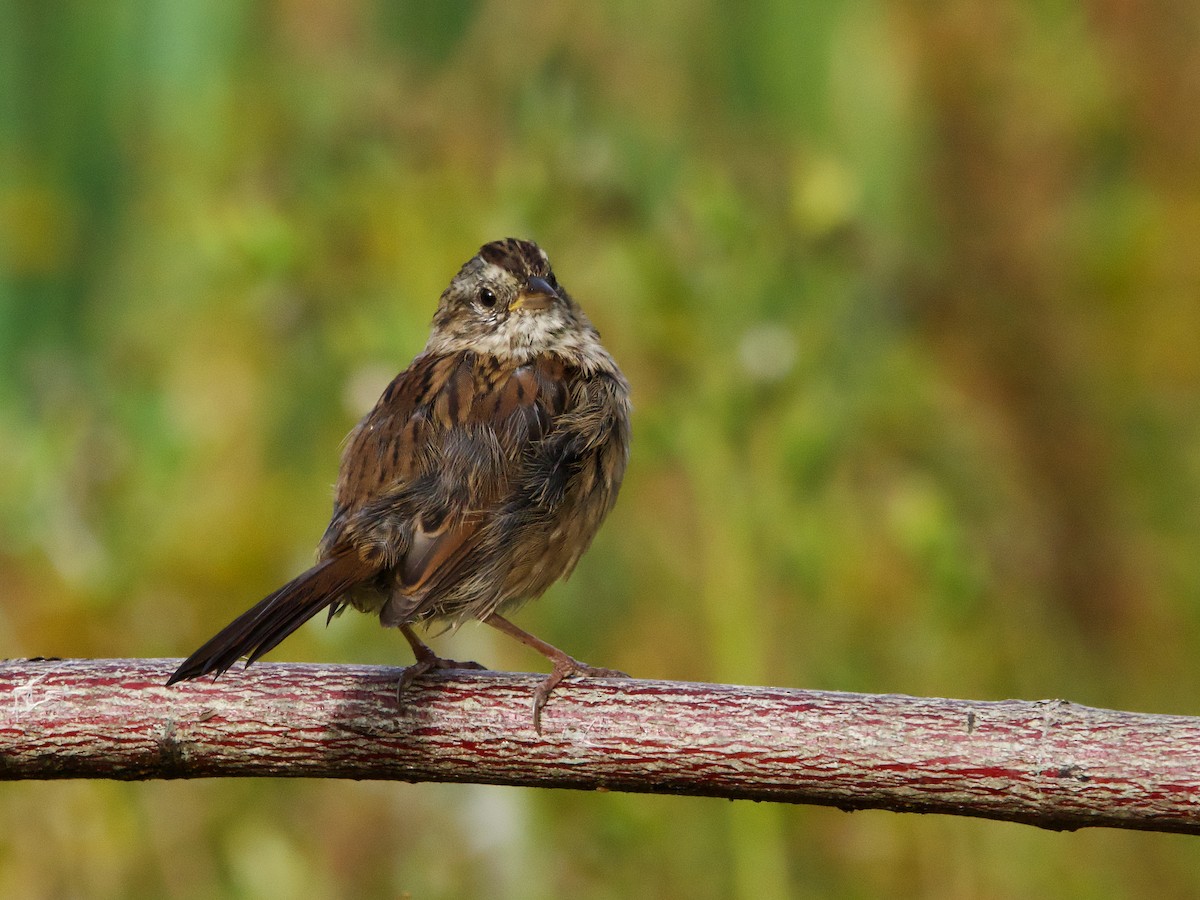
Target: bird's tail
[(276, 616)]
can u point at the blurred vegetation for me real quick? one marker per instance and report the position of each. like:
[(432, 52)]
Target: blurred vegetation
[(908, 297)]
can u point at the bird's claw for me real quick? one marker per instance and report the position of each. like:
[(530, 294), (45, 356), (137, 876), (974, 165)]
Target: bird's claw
[(564, 668), (427, 663)]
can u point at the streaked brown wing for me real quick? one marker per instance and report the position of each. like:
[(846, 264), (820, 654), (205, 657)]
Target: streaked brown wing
[(520, 411), (392, 442), (434, 460)]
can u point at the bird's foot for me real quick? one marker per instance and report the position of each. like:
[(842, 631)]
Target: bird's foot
[(428, 661), (565, 667)]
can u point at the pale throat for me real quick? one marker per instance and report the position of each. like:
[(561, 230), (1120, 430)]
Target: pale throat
[(525, 336)]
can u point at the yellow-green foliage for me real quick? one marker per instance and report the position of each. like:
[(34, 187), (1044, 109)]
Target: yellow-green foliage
[(908, 297)]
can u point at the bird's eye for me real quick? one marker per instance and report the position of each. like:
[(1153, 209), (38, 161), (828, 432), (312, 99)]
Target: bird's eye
[(487, 298)]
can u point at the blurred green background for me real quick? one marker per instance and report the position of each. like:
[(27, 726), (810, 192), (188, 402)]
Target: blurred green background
[(908, 296)]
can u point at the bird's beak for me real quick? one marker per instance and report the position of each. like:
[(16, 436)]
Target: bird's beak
[(537, 294)]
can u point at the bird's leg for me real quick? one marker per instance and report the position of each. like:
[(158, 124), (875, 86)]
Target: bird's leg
[(563, 666), (427, 661)]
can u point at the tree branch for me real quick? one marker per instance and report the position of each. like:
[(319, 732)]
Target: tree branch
[(1048, 763)]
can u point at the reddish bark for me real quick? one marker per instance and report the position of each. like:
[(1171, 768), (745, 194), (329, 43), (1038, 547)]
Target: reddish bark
[(1048, 763)]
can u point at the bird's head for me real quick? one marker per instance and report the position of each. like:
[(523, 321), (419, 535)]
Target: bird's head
[(506, 302)]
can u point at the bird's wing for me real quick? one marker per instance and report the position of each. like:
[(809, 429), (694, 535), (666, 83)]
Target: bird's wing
[(434, 462), (392, 444)]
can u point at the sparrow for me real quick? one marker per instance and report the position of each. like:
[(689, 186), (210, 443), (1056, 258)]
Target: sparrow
[(478, 479)]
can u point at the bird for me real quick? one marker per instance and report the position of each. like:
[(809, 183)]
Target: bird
[(478, 479)]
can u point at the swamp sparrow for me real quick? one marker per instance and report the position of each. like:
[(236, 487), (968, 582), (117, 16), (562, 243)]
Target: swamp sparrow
[(478, 480)]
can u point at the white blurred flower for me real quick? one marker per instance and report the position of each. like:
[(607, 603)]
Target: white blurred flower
[(363, 387), (767, 352)]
